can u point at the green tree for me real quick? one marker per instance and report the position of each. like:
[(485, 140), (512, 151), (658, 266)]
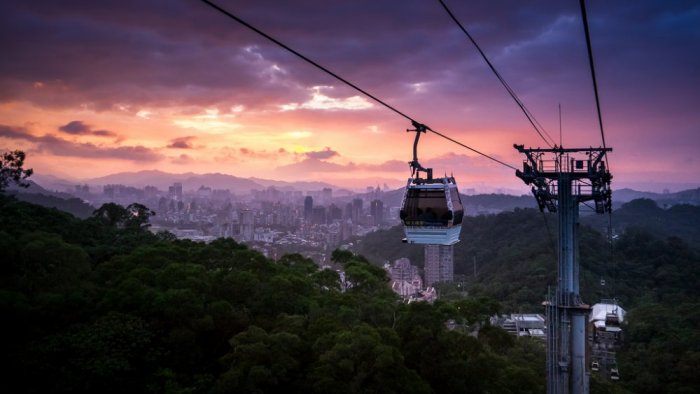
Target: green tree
[(260, 362), (11, 169), (138, 216), (111, 214), (362, 360)]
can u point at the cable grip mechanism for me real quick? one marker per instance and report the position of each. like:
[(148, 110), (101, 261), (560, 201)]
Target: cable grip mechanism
[(416, 168)]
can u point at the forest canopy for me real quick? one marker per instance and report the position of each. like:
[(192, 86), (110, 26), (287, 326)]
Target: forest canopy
[(103, 305)]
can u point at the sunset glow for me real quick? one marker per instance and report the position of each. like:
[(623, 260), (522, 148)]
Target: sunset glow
[(93, 88)]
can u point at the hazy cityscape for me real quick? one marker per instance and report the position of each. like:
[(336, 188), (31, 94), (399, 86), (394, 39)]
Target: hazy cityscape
[(273, 221), (278, 222)]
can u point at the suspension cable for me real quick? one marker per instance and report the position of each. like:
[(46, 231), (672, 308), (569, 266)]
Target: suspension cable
[(472, 149), (591, 64), (540, 130), (595, 83), (336, 76)]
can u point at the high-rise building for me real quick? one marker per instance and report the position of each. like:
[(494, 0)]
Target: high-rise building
[(247, 225), (356, 210), (334, 213), (348, 211), (318, 215), (376, 209), (308, 207), (176, 190), (439, 264)]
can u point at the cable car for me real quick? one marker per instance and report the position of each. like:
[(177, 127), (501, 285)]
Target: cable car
[(614, 374), (431, 210)]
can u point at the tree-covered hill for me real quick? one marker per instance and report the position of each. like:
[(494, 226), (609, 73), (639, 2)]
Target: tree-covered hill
[(72, 205), (102, 305), (514, 253), (680, 220), (653, 270)]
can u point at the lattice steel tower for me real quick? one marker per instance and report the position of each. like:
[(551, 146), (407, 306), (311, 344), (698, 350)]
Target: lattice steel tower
[(560, 181)]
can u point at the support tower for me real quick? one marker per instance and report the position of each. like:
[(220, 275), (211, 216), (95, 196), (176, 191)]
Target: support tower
[(561, 179)]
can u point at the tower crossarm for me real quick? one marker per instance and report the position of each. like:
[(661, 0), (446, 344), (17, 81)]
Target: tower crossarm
[(584, 167)]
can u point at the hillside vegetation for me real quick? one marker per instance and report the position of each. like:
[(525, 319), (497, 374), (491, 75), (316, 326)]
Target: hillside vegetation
[(653, 271), (102, 305)]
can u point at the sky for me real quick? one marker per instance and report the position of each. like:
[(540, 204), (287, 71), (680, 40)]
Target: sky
[(92, 88)]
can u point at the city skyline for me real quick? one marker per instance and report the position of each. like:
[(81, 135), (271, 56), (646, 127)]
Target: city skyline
[(95, 89)]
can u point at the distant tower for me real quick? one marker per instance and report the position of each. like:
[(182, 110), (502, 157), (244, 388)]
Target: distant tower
[(334, 213), (176, 191), (439, 264), (308, 207), (348, 211), (247, 225), (318, 215), (356, 210), (376, 209)]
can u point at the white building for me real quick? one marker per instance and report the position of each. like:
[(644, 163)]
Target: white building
[(405, 279), (605, 318)]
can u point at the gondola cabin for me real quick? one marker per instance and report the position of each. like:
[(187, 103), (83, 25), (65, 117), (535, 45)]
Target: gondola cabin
[(432, 211)]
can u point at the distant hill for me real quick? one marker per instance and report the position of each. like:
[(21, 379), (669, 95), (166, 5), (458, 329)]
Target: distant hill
[(493, 203), (192, 181), (301, 185), (55, 183), (474, 205), (680, 220), (36, 194), (73, 205), (514, 255), (35, 188), (691, 196)]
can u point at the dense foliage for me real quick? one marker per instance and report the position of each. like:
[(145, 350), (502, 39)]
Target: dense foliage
[(679, 220), (12, 169), (103, 305)]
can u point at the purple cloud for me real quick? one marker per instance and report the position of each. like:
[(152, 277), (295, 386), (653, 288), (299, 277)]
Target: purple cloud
[(180, 53), (104, 133), (16, 133), (75, 127), (60, 147), (324, 154), (182, 159), (182, 143), (78, 127)]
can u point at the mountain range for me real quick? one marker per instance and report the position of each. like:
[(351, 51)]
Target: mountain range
[(190, 181)]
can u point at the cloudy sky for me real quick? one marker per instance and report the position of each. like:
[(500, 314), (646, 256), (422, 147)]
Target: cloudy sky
[(89, 88)]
